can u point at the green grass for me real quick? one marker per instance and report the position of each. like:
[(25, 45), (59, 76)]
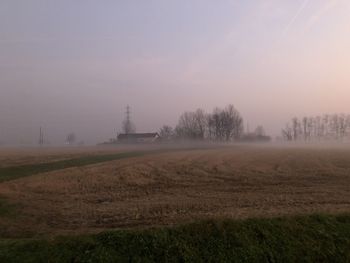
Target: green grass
[(14, 172), (6, 210), (317, 238)]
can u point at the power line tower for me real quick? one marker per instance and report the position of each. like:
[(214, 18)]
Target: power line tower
[(128, 126), (128, 113), (41, 137)]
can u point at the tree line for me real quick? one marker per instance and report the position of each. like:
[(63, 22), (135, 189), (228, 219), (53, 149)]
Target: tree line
[(325, 127), (223, 124)]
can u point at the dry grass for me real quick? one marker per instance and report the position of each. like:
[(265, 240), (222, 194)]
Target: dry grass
[(172, 188), (35, 155)]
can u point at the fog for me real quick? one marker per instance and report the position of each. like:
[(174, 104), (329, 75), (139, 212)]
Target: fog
[(73, 66)]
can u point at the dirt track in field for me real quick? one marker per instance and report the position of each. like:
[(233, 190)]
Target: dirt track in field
[(173, 188)]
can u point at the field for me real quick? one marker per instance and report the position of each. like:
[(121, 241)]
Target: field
[(175, 203), (121, 188), (10, 157)]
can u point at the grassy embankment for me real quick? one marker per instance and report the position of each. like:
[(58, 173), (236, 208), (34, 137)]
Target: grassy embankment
[(317, 238)]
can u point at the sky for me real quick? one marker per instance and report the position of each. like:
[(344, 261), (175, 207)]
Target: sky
[(74, 65)]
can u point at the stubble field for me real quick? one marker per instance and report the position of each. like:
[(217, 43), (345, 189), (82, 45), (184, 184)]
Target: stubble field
[(175, 187)]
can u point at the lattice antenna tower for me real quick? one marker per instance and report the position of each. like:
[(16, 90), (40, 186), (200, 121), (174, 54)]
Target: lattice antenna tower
[(128, 126), (128, 114)]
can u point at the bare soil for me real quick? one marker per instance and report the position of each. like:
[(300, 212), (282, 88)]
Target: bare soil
[(178, 187)]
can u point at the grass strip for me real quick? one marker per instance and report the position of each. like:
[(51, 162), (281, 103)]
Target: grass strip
[(316, 238), (14, 172)]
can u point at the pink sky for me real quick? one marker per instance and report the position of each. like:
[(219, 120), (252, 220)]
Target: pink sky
[(75, 65)]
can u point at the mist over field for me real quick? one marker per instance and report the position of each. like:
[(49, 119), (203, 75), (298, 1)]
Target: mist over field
[(174, 131), (74, 66)]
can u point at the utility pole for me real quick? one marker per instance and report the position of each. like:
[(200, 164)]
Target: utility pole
[(128, 113), (41, 137)]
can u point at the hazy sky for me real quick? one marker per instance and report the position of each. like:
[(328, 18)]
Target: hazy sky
[(73, 65)]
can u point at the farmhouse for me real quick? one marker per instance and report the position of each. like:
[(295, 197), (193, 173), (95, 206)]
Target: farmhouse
[(138, 137)]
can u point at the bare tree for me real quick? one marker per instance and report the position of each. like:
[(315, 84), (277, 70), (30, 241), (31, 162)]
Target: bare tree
[(260, 131), (235, 122), (305, 128), (335, 126), (342, 126), (310, 125), (225, 124), (200, 120), (71, 138), (185, 128), (347, 125), (215, 125), (192, 125), (221, 125), (166, 132), (296, 127), (41, 137), (326, 127), (287, 133)]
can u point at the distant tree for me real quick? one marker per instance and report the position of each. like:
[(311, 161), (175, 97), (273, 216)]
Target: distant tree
[(347, 125), (260, 131), (258, 135), (318, 127), (310, 125), (305, 128), (200, 120), (342, 126), (215, 125), (325, 121), (295, 128), (41, 137), (233, 123), (166, 132), (225, 124), (221, 125), (185, 128), (71, 138), (192, 125), (287, 133), (326, 127)]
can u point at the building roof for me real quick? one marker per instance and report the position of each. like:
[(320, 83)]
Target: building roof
[(124, 136)]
